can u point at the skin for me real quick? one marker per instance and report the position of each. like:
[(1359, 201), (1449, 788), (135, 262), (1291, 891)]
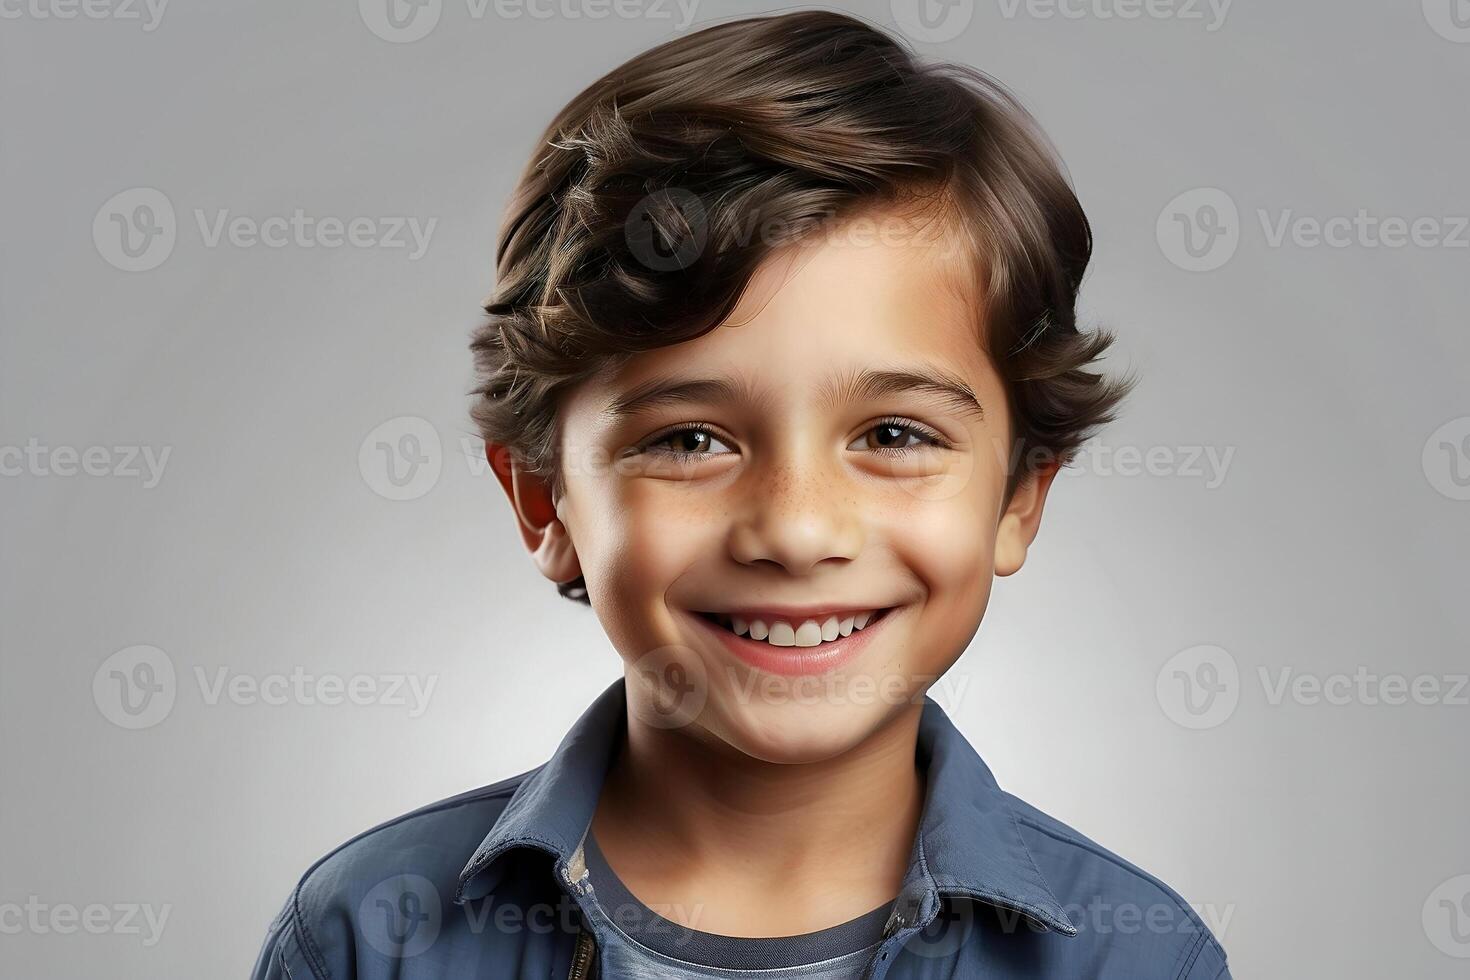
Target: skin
[(734, 802)]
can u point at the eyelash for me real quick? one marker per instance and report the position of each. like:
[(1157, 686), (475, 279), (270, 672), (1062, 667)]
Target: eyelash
[(936, 440), (893, 421)]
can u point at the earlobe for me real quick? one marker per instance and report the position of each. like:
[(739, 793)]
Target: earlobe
[(1021, 520)]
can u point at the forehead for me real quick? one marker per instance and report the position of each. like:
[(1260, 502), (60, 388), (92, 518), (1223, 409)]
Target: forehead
[(880, 290)]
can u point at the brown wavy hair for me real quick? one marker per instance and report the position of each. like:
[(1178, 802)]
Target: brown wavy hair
[(630, 228)]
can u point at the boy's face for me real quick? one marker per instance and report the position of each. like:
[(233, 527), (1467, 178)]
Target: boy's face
[(805, 488)]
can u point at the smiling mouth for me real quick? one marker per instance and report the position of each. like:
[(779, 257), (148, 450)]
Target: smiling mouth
[(805, 633)]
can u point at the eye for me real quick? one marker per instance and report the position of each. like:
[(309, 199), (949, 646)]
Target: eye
[(891, 437), (684, 441)]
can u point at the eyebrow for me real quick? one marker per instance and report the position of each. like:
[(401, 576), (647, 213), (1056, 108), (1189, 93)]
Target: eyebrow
[(865, 385), (869, 385)]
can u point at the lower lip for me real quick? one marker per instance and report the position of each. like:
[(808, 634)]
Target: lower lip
[(794, 661)]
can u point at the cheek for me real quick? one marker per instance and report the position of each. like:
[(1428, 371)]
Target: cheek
[(634, 542), (949, 545), (946, 539)]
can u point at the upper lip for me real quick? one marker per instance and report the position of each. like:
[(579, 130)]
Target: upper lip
[(795, 614)]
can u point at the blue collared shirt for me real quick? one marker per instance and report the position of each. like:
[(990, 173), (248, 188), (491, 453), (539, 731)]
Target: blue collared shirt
[(493, 883)]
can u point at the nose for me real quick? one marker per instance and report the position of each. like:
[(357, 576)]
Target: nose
[(797, 516)]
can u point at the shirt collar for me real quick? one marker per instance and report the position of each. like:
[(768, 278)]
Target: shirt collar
[(968, 844)]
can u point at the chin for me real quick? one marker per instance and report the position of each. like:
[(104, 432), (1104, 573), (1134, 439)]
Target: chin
[(797, 730)]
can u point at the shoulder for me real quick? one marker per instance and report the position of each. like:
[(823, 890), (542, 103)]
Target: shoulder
[(414, 858), (1115, 904)]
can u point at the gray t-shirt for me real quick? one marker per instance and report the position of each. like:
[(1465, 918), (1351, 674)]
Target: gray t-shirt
[(648, 946)]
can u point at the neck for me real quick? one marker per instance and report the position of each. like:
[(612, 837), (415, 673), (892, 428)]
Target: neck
[(682, 814)]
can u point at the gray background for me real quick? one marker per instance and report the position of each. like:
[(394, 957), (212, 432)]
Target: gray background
[(1319, 839)]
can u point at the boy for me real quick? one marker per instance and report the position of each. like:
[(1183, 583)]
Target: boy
[(781, 363)]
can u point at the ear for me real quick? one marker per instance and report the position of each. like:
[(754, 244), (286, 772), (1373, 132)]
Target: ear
[(1021, 519), (538, 516)]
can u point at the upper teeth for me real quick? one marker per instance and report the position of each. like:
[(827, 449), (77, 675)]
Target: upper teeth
[(810, 632)]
